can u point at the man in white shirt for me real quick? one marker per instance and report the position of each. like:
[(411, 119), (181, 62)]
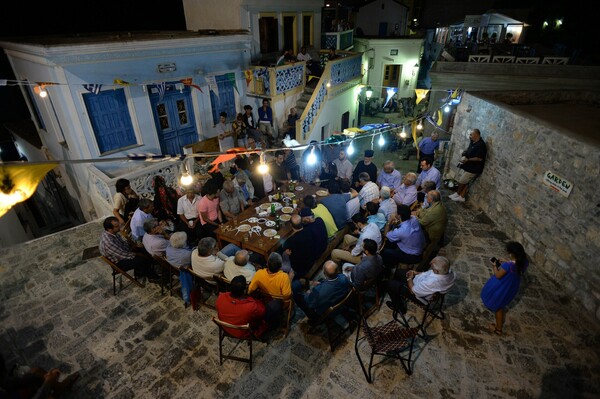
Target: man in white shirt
[(344, 166), (225, 133), (187, 210), (365, 230), (207, 260), (420, 285), (239, 265)]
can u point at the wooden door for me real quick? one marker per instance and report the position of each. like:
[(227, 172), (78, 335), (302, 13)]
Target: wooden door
[(391, 75)]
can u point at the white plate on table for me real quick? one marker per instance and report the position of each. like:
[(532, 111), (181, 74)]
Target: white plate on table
[(269, 223), (287, 209), (285, 217), (252, 220), (322, 193), (270, 233), (261, 220), (244, 228), (299, 188)]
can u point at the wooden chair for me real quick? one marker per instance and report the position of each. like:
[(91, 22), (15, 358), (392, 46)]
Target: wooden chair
[(168, 271), (370, 285), (203, 285), (117, 271), (391, 340), (328, 318), (288, 307), (223, 283), (223, 333), (432, 309)]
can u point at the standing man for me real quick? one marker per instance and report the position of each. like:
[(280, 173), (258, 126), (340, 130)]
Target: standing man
[(279, 171), (208, 208), (389, 176), (251, 123), (265, 122), (187, 210), (225, 133), (366, 165), (472, 163), (291, 123), (428, 172), (343, 165), (427, 147)]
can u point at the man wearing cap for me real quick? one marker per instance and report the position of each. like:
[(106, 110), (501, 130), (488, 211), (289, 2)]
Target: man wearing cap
[(389, 176), (366, 166)]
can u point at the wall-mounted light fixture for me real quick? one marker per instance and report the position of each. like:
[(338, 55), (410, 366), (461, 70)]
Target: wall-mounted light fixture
[(165, 68)]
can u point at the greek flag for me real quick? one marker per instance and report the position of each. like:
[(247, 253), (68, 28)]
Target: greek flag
[(161, 87), (93, 88)]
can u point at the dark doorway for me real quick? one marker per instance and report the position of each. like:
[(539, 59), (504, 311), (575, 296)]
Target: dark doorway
[(307, 30), (288, 33), (268, 34), (345, 120)]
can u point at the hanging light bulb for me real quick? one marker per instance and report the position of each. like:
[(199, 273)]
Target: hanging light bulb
[(369, 92), (312, 158), (403, 132), (350, 149), (381, 141), (420, 125), (186, 179), (328, 83), (263, 167), (41, 91), (447, 109)]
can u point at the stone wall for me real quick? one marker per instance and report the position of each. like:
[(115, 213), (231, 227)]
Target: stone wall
[(561, 235)]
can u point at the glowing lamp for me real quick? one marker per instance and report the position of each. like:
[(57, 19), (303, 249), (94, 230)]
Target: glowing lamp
[(19, 182), (447, 108), (350, 149), (369, 92), (381, 141)]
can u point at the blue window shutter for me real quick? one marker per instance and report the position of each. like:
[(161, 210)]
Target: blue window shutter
[(225, 101), (110, 119)]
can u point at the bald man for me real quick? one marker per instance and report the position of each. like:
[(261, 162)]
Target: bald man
[(239, 265), (332, 289)]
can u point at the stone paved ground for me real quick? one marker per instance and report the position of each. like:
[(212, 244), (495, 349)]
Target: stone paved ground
[(57, 310)]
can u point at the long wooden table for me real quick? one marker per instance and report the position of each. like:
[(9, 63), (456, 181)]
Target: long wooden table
[(228, 233)]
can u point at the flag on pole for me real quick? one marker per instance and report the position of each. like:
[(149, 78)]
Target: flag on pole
[(93, 88), (161, 87), (421, 94), (189, 82), (439, 117), (231, 79)]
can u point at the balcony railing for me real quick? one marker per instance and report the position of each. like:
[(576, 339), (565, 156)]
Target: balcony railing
[(273, 81), (338, 40)]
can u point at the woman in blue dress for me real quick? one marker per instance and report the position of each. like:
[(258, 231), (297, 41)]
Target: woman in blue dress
[(504, 284)]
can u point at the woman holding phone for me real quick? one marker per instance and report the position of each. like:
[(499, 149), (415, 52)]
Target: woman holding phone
[(504, 284)]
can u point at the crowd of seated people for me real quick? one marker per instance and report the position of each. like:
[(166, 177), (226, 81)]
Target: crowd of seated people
[(382, 218)]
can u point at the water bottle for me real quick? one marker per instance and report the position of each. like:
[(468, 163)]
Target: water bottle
[(272, 209)]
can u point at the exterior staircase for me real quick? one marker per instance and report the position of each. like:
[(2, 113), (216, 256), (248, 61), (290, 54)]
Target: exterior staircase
[(303, 100)]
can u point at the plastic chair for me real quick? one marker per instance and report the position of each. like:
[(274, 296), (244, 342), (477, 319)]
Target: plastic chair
[(391, 340)]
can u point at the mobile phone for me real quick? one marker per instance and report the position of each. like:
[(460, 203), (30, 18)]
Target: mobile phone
[(495, 261)]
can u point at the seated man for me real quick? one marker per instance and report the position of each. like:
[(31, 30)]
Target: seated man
[(143, 212), (365, 230), (239, 265), (155, 240), (231, 201), (369, 190), (189, 218), (298, 250), (407, 193), (208, 208), (426, 187), (433, 218), (405, 241), (320, 211), (421, 285), (335, 203), (178, 253), (238, 309), (389, 176), (428, 172), (326, 293), (352, 206), (116, 249), (387, 205), (369, 267), (272, 280), (375, 216), (244, 186), (317, 229), (208, 260)]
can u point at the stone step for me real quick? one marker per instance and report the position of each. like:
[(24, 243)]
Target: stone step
[(301, 103), (299, 110)]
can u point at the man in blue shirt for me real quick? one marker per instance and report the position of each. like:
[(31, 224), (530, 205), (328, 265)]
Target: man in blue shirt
[(144, 211), (325, 294), (405, 242), (427, 147), (428, 172), (335, 203), (389, 176)]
